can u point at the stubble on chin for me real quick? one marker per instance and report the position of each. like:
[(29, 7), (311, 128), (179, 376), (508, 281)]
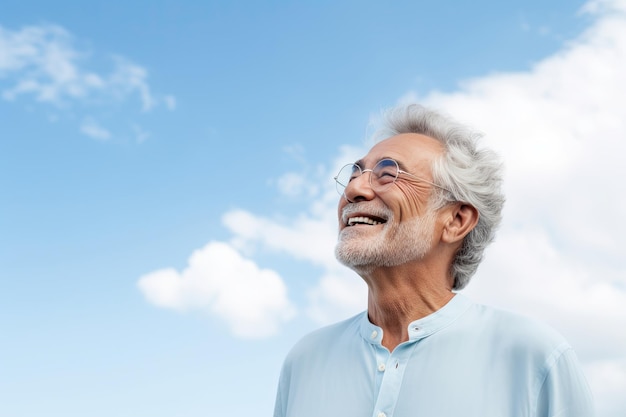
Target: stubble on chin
[(359, 250), (356, 250)]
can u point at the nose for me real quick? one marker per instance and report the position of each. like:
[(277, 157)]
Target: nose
[(359, 189)]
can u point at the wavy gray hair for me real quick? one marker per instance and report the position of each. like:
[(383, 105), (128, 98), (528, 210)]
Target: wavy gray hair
[(472, 175)]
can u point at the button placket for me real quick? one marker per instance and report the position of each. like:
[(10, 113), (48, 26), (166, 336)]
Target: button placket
[(392, 373), (381, 357)]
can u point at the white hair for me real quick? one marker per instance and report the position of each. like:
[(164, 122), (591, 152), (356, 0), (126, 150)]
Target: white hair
[(468, 174)]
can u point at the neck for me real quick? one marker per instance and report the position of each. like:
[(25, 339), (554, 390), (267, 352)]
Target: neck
[(398, 296)]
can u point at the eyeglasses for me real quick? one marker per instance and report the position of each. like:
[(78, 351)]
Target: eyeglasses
[(384, 173)]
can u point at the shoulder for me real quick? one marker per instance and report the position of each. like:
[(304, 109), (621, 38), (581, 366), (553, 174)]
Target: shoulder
[(517, 333)]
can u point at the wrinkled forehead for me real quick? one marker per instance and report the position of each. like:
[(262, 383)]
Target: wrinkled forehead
[(413, 150)]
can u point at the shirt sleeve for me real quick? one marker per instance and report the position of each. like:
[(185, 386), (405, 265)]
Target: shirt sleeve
[(565, 392)]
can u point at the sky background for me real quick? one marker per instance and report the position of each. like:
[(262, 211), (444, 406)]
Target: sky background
[(167, 208)]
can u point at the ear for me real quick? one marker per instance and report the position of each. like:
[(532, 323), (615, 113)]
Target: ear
[(460, 220)]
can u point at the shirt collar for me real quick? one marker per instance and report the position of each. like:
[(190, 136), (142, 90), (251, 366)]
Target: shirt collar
[(423, 327)]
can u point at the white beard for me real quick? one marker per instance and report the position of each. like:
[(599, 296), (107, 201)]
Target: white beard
[(362, 249)]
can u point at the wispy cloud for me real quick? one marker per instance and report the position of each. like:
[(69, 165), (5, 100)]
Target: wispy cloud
[(46, 64), (129, 78), (41, 60), (141, 135), (92, 129)]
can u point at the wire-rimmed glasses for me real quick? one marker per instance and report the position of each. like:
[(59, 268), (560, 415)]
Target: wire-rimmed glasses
[(384, 173)]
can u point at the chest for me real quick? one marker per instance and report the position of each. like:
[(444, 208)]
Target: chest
[(419, 379)]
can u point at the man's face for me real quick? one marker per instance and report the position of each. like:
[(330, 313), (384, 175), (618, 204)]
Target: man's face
[(393, 226)]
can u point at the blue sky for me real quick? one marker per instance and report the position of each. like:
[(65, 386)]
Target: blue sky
[(167, 208)]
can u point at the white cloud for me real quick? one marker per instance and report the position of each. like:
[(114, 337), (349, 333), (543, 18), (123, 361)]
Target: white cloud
[(92, 129), (218, 280), (339, 294), (131, 78), (297, 152), (304, 238), (294, 184), (599, 6), (609, 379), (45, 63)]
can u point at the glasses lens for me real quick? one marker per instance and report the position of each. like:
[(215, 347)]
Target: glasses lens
[(346, 174), (384, 173)]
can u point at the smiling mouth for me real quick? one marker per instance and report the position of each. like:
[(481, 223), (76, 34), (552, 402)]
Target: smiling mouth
[(364, 220)]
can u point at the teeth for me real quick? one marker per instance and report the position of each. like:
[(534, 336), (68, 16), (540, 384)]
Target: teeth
[(366, 220)]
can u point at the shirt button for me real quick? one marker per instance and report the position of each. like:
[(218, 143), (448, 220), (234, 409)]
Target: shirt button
[(381, 414), (381, 367), (373, 336)]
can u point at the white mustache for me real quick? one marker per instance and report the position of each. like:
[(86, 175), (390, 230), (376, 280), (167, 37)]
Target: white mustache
[(365, 208)]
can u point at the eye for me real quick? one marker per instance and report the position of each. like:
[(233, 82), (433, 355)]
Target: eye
[(356, 171), (386, 171)]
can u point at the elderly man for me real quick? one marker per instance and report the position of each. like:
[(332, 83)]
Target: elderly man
[(415, 216)]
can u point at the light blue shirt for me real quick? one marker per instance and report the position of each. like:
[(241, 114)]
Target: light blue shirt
[(464, 360)]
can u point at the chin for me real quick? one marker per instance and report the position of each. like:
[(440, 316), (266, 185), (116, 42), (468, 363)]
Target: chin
[(361, 255)]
